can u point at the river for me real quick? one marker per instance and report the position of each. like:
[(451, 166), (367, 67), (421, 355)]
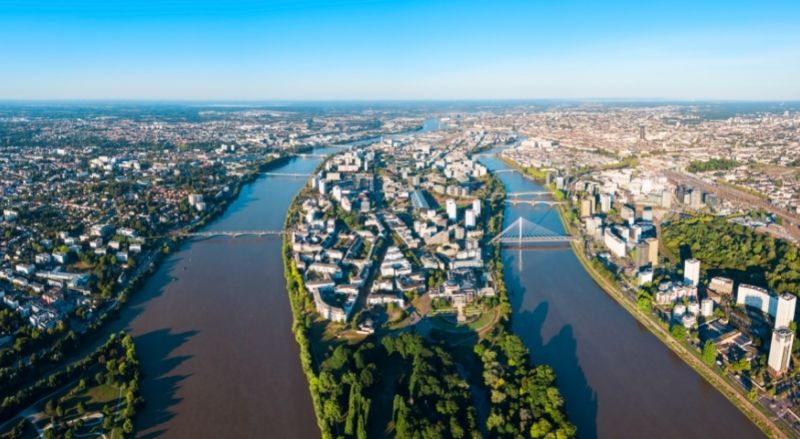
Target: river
[(213, 331), (212, 327), (618, 380)]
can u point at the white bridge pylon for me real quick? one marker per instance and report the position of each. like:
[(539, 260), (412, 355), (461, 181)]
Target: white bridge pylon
[(523, 231)]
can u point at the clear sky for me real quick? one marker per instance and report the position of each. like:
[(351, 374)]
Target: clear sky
[(320, 50)]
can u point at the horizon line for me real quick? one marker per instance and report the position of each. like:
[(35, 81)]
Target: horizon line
[(395, 100)]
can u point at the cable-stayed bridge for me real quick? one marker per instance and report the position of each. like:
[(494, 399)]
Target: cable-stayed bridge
[(523, 231)]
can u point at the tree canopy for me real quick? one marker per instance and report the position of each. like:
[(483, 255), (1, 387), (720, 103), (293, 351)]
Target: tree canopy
[(736, 251)]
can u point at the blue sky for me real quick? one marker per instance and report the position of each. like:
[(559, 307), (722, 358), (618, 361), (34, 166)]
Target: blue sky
[(315, 50)]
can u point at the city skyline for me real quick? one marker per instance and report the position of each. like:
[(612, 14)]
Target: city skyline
[(317, 51)]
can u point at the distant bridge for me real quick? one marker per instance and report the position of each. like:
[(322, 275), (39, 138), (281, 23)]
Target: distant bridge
[(287, 174), (305, 155), (523, 231), (515, 201), (520, 194), (503, 171), (233, 233)]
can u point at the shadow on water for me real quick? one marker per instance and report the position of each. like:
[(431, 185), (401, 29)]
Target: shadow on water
[(559, 352), (161, 387)]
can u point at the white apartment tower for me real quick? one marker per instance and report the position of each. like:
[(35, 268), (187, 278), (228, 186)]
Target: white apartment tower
[(780, 351), (452, 209), (476, 206), (691, 272), (469, 219), (785, 312)]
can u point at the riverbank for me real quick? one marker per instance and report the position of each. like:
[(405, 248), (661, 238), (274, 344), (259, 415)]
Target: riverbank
[(350, 396), (729, 390), (72, 345)]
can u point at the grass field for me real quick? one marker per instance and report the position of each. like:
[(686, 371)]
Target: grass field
[(479, 325)]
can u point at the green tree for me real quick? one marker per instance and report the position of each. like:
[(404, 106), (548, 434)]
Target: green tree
[(709, 353), (678, 331), (127, 426)]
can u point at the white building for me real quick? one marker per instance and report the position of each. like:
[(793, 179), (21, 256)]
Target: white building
[(785, 310), (691, 272), (605, 202), (758, 298), (780, 351), (614, 244), (476, 207), (645, 276), (452, 209), (707, 307), (469, 219), (195, 198)]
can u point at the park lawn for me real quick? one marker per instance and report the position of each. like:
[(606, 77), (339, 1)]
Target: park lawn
[(352, 336), (103, 394), (479, 325), (93, 398)]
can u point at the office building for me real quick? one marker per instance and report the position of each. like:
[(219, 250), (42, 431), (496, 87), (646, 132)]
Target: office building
[(691, 272)]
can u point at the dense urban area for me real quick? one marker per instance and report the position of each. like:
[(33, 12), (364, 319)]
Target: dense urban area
[(687, 214)]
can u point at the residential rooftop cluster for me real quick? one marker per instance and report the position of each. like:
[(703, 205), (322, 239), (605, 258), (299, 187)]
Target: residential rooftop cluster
[(388, 222), (90, 197)]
